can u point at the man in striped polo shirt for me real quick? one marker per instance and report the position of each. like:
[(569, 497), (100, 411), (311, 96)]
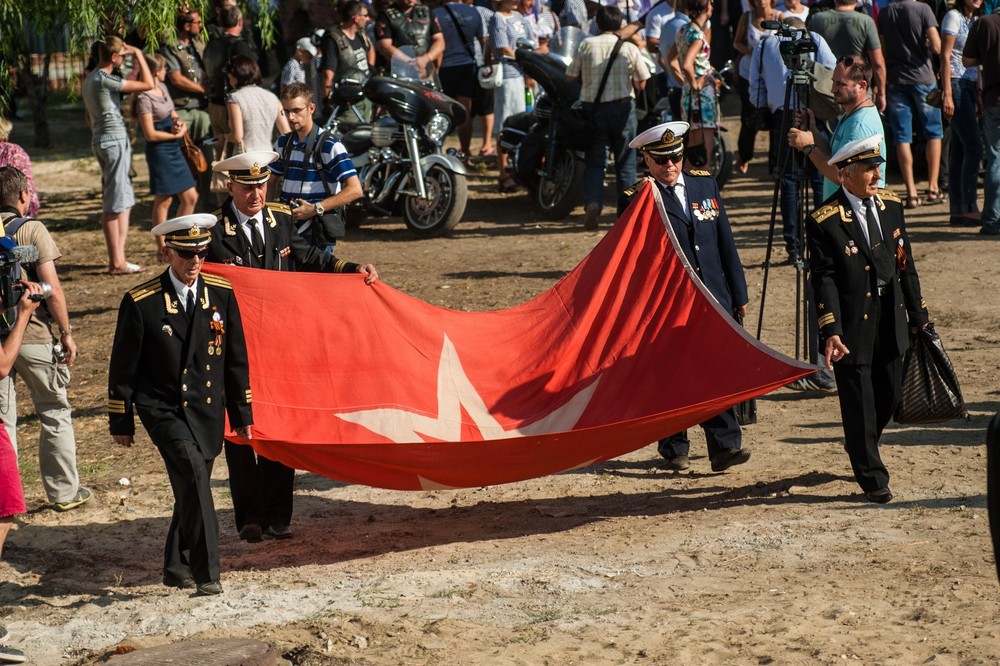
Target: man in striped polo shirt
[(318, 179)]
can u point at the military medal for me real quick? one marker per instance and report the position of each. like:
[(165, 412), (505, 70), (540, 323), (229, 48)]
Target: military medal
[(285, 252), (166, 329), (217, 328)]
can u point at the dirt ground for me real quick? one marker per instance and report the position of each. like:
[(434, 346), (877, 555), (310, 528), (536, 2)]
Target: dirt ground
[(779, 561)]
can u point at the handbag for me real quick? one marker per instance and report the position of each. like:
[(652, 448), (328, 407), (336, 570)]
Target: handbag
[(930, 386), (762, 118), (935, 98), (193, 155), (490, 76)]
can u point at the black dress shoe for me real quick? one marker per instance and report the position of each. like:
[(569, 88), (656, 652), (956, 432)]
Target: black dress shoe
[(727, 458), (251, 533), (279, 531), (180, 583), (209, 589), (880, 496)]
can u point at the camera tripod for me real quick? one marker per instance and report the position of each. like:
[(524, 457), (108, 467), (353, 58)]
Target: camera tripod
[(794, 170)]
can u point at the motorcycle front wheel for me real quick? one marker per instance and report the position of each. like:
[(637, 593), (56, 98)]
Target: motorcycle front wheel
[(448, 193), (558, 196)]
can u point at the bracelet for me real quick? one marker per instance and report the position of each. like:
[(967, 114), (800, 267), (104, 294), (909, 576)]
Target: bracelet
[(65, 331), (808, 149)]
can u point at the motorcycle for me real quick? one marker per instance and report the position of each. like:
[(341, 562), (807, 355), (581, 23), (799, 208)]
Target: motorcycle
[(399, 157), (548, 144)]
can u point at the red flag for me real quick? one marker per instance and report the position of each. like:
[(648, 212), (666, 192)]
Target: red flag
[(368, 385)]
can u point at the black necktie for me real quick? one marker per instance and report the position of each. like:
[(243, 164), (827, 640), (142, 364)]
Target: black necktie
[(256, 241), (190, 302), (673, 194), (880, 251)]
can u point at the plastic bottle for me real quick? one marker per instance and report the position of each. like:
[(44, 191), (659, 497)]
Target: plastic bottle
[(529, 99)]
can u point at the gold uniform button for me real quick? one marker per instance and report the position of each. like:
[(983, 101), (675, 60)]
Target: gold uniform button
[(868, 295), (208, 384), (185, 403), (866, 316), (208, 367), (867, 267), (209, 400), (185, 371), (184, 387), (697, 249)]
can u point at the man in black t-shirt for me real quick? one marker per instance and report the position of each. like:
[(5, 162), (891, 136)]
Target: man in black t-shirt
[(982, 48), (218, 52), (347, 46), (406, 30)]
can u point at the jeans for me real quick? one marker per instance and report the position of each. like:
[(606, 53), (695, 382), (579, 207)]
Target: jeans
[(991, 184), (614, 124), (966, 150)]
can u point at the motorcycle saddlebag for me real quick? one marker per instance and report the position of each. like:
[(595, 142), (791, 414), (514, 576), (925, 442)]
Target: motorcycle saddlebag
[(514, 128), (529, 157)]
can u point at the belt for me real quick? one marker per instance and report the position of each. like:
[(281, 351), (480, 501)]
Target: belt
[(882, 289)]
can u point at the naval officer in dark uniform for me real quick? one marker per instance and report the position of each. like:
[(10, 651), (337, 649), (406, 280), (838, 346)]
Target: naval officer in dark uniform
[(179, 361), (261, 234), (698, 218), (868, 297)]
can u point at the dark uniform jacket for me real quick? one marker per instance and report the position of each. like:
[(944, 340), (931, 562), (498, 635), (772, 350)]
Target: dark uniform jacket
[(179, 373), (284, 248), (706, 239), (844, 279)]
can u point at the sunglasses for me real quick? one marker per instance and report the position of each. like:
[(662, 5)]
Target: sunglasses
[(849, 61), (663, 159), (188, 255)]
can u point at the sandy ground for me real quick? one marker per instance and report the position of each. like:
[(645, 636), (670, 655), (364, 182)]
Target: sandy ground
[(776, 562)]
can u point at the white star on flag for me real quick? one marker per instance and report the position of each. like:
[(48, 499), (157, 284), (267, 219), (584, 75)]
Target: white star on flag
[(455, 391)]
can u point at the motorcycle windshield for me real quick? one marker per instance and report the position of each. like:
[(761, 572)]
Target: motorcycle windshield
[(565, 43), (405, 66)]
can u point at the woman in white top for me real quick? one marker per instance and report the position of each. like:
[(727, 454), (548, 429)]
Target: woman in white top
[(748, 33), (793, 8), (253, 111)]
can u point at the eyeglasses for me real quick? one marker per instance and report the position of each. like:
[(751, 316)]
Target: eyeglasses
[(188, 255), (294, 112), (663, 159)]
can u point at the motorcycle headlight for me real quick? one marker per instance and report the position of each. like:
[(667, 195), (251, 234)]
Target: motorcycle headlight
[(437, 127)]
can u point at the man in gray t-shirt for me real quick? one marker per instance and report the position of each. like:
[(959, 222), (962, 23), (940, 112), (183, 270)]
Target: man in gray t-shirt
[(910, 34), (848, 32)]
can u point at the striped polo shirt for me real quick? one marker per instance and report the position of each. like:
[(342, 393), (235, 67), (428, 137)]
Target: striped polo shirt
[(302, 178)]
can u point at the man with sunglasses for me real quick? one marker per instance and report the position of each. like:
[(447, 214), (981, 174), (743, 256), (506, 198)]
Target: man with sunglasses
[(699, 222), (258, 234), (179, 361), (868, 296)]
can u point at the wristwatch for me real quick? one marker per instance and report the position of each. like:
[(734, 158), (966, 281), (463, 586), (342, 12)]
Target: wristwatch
[(808, 149), (319, 208)]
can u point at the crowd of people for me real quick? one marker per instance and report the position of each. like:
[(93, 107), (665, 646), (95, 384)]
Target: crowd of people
[(904, 73)]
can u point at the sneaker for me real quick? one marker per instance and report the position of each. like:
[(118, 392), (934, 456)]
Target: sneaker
[(990, 230), (810, 383), (591, 216), (727, 458), (9, 655), (81, 497)]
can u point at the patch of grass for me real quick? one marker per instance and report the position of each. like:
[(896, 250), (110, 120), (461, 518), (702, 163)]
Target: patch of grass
[(545, 615), (450, 592), (373, 597)]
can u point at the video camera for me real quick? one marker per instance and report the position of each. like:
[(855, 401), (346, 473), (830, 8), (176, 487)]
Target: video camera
[(793, 42), (11, 289)]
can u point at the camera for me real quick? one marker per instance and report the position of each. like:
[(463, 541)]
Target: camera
[(11, 289), (294, 203), (793, 43)]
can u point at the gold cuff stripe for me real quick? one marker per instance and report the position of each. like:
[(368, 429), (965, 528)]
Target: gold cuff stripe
[(339, 266), (826, 320), (116, 409)]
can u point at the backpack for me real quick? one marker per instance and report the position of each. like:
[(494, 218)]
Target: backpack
[(821, 96)]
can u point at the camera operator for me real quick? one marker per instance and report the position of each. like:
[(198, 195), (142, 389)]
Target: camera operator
[(43, 361), (770, 70)]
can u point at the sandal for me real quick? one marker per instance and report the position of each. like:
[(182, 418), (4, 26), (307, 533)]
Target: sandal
[(130, 269), (934, 196), (487, 152), (507, 185), (913, 202)]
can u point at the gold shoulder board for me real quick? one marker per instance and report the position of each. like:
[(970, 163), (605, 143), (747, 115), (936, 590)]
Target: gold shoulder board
[(218, 213), (826, 212), (699, 172), (217, 281), (632, 189), (279, 207), (145, 289), (889, 195)]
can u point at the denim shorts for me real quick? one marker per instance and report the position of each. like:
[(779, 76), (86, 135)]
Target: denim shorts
[(903, 102), (114, 154)]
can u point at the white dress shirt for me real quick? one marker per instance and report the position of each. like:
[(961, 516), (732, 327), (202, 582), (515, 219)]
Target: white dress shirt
[(858, 206), (182, 290)]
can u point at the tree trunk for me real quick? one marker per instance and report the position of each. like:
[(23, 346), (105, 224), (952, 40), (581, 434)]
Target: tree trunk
[(37, 88)]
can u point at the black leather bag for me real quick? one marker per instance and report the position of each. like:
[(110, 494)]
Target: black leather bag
[(930, 386)]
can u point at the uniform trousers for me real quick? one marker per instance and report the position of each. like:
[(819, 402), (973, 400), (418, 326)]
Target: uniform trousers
[(261, 488), (192, 548), (722, 431), (47, 382), (869, 394)]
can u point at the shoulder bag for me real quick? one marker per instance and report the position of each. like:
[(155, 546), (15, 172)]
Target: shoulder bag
[(193, 155), (589, 112)]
